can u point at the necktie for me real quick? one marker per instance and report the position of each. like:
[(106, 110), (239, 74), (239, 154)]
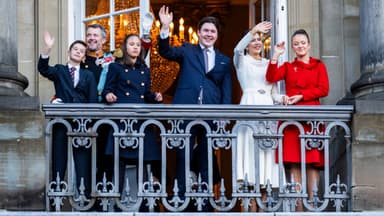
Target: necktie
[(206, 62), (72, 72)]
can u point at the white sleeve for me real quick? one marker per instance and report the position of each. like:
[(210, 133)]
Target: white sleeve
[(277, 98), (240, 47)]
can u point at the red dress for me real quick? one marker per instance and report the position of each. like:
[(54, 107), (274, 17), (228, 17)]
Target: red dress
[(311, 81)]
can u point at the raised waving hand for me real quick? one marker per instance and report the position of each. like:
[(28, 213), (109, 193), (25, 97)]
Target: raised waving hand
[(263, 27), (165, 16), (49, 40)]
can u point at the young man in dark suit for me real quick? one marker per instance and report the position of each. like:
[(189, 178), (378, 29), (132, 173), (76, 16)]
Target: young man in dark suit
[(204, 78), (72, 85)]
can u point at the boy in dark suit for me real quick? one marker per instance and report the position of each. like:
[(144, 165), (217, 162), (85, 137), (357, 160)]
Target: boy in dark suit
[(72, 85)]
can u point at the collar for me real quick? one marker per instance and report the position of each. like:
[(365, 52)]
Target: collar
[(96, 54), (76, 66), (209, 48)]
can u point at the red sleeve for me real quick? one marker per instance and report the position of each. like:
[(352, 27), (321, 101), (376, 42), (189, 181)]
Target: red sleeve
[(321, 88), (275, 73)]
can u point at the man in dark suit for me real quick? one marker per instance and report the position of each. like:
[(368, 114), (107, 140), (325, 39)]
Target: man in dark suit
[(72, 85), (97, 61), (204, 78)]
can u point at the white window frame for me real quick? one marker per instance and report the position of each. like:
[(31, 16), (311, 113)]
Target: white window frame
[(78, 19), (279, 18)]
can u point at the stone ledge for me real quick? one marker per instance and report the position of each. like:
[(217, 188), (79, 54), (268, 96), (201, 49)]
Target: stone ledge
[(19, 102), (364, 213), (369, 106)]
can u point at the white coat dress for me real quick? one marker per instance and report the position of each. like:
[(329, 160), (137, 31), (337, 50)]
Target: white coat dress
[(256, 91)]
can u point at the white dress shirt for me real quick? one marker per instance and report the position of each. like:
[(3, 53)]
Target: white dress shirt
[(77, 74)]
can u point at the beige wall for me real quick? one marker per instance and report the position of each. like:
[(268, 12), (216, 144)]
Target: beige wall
[(27, 43), (304, 14), (33, 17), (333, 26)]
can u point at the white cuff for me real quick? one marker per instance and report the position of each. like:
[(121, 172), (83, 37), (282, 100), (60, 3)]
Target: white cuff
[(164, 34), (44, 56)]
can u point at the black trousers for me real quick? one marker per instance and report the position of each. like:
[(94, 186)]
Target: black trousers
[(81, 156), (198, 162)]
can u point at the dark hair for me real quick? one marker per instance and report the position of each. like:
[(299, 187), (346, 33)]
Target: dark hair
[(209, 19), (96, 25), (125, 59), (77, 42), (300, 32)]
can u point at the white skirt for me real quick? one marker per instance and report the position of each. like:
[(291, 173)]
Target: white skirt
[(245, 163)]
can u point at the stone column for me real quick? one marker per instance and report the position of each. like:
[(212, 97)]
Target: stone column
[(12, 83), (367, 146), (371, 83), (22, 149)]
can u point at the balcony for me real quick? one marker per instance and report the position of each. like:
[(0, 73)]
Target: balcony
[(174, 125)]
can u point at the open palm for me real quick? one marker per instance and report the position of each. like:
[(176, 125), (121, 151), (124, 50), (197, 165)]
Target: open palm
[(264, 27), (165, 16), (280, 48), (48, 39)]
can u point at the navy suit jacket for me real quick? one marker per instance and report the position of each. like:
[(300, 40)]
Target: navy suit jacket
[(216, 84), (84, 92)]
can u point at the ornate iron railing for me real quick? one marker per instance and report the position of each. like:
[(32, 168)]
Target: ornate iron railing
[(174, 124)]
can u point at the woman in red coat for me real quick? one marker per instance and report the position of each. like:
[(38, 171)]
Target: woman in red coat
[(306, 81)]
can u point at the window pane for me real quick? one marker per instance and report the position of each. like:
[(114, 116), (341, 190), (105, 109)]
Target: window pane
[(105, 23), (125, 4), (96, 7), (126, 24)]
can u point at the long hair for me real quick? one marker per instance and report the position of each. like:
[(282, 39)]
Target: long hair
[(125, 58)]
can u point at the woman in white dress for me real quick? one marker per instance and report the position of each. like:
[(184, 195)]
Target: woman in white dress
[(251, 68)]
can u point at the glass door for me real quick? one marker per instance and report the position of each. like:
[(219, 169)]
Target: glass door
[(119, 17)]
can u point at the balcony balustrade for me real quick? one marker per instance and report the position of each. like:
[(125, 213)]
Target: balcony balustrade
[(173, 125)]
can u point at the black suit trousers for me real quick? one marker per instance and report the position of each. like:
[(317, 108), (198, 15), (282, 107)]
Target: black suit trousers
[(81, 155)]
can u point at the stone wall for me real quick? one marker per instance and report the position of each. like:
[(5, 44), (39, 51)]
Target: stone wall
[(22, 158), (368, 156)]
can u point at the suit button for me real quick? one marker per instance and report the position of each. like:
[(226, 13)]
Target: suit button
[(142, 84), (126, 70), (127, 94), (128, 82), (142, 96)]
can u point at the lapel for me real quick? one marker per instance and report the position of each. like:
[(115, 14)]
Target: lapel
[(217, 60), (81, 75), (82, 78), (68, 75), (200, 57)]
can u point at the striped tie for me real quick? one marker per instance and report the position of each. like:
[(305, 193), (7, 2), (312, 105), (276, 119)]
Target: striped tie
[(72, 71)]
